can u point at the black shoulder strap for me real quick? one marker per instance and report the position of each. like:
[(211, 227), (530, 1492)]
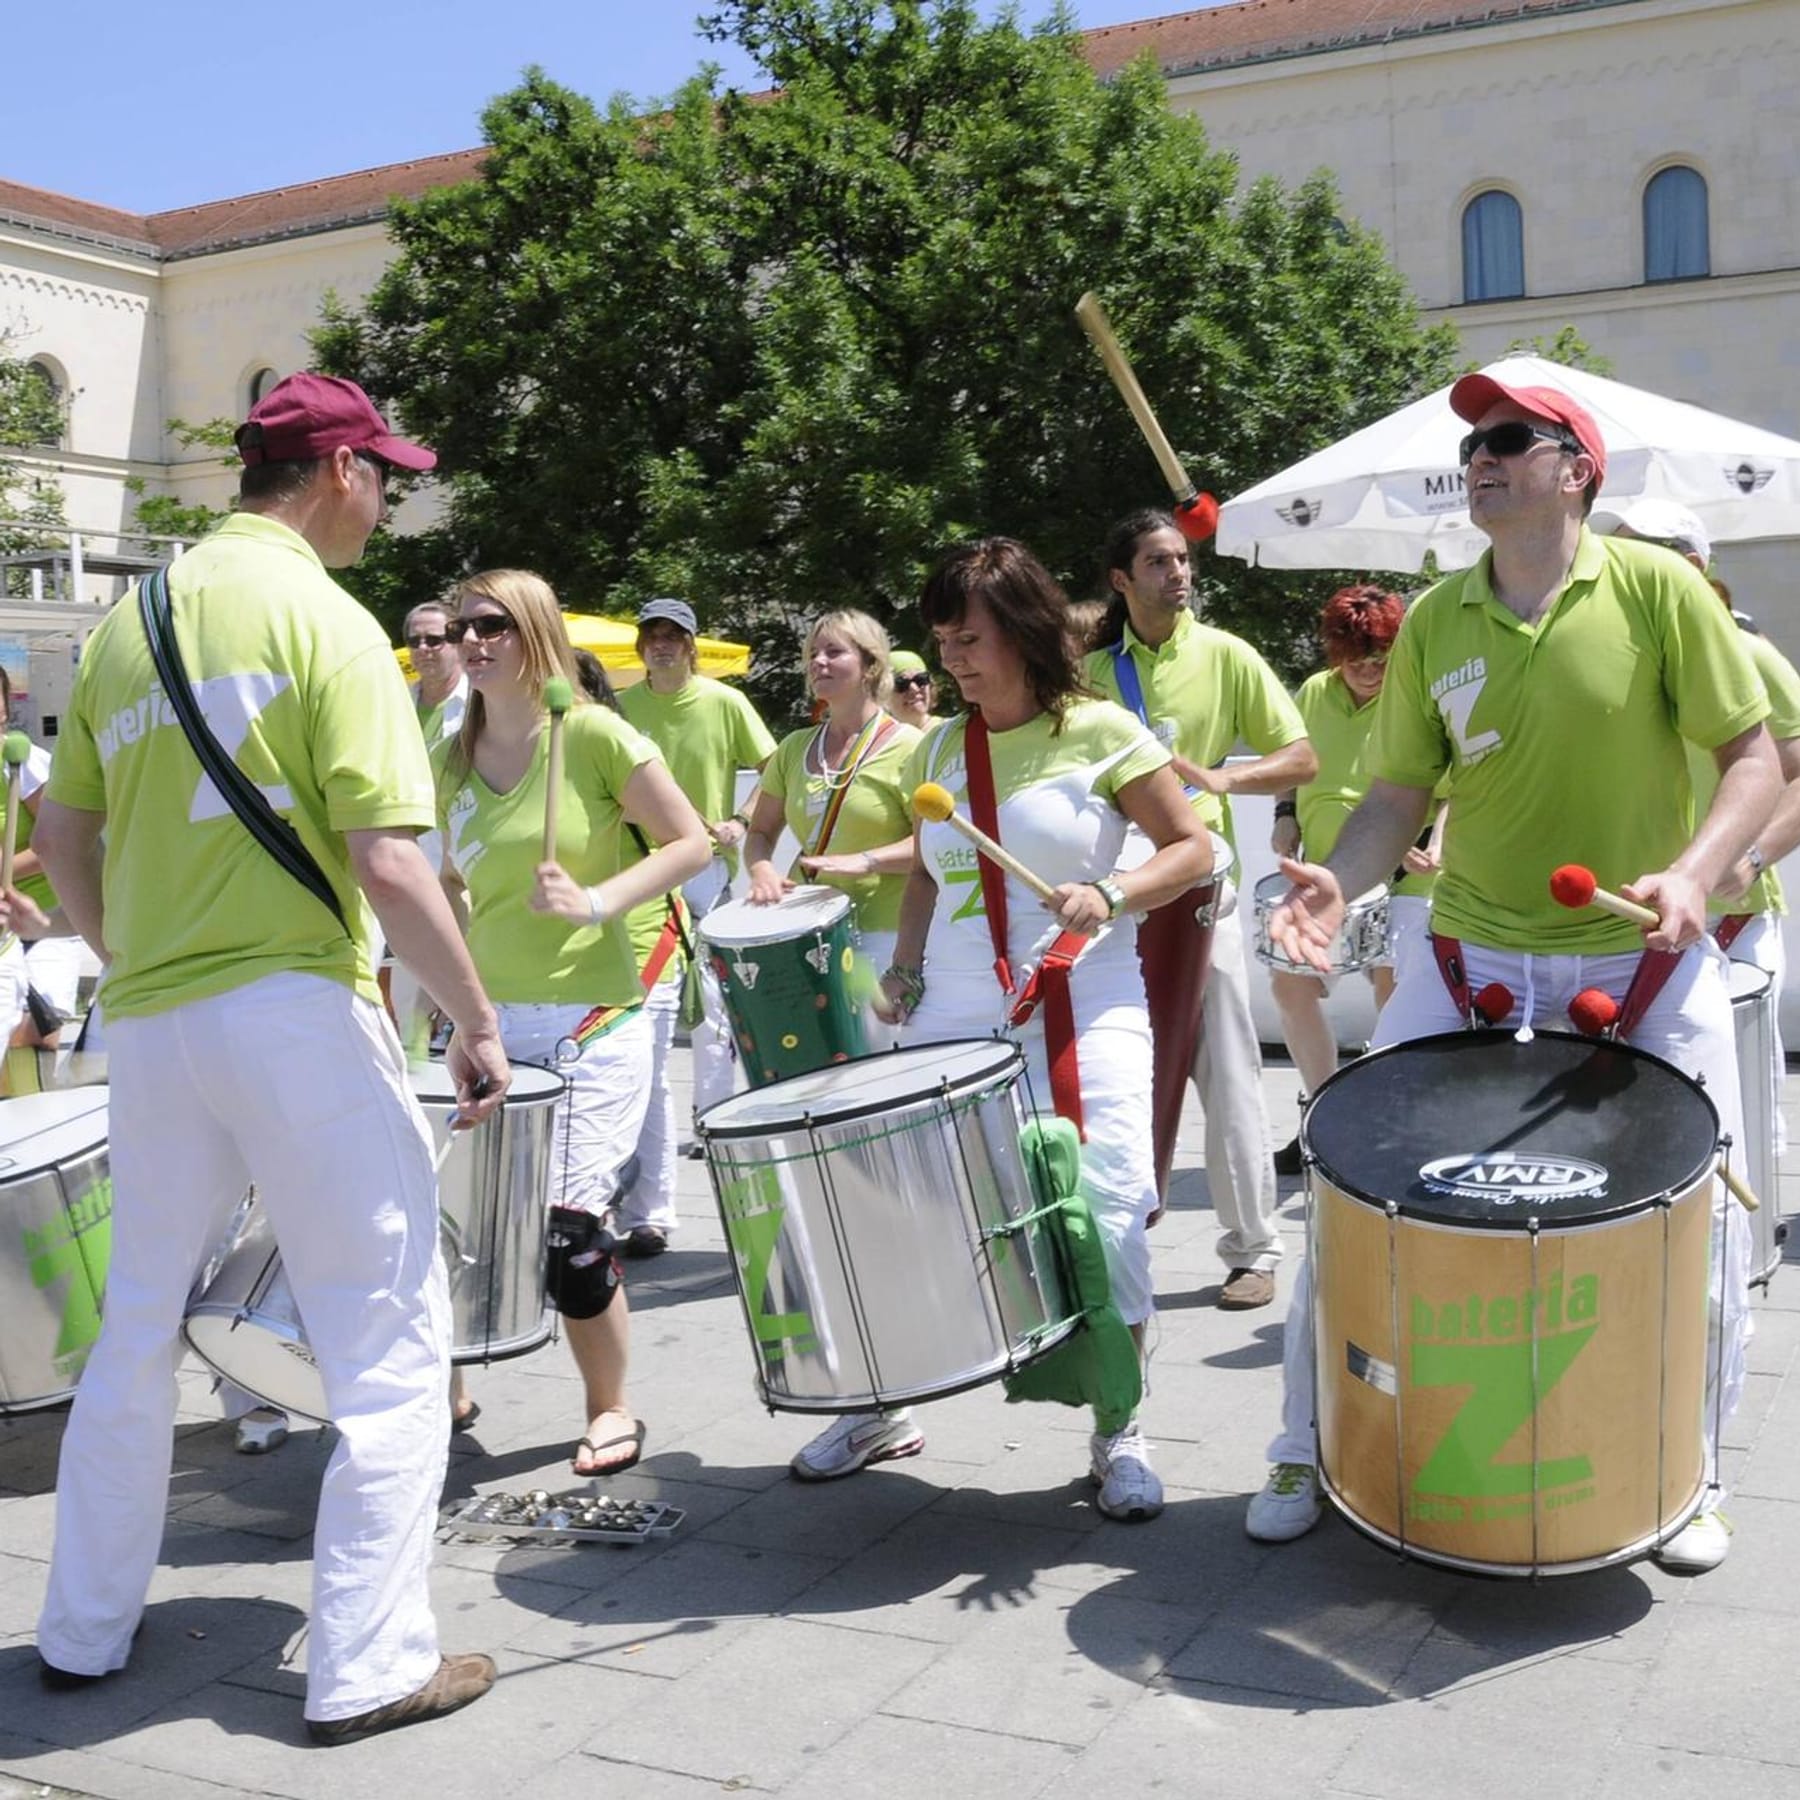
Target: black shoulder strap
[(241, 794)]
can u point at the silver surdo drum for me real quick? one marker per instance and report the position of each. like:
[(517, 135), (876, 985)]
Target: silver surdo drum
[(1361, 940), (879, 1214), (493, 1205), (55, 1239)]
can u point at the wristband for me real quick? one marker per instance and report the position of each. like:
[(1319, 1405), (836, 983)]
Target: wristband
[(1110, 891), (868, 857), (1754, 857), (596, 912), (1286, 809), (912, 980)]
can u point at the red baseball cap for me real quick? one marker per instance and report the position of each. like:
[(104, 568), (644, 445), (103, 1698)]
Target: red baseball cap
[(309, 416), (1474, 394)]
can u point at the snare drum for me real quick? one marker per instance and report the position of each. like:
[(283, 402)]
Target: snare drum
[(1510, 1247), (879, 1220), (55, 1237), (1362, 939), (1753, 1002), (494, 1204), (785, 973)]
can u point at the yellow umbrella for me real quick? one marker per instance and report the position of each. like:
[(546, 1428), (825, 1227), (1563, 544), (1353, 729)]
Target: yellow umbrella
[(614, 641)]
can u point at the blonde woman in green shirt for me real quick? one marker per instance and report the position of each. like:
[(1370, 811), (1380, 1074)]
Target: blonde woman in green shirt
[(840, 786), (552, 940)]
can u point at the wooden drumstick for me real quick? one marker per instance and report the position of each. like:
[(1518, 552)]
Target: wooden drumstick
[(1196, 513), (933, 802), (558, 698), (1739, 1192), (15, 750), (1572, 885)]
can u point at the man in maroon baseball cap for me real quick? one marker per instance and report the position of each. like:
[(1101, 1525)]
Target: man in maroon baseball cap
[(308, 416), (1550, 693)]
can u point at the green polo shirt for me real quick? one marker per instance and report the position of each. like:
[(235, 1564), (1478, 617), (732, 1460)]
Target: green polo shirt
[(1204, 692), (1562, 741), (299, 685)]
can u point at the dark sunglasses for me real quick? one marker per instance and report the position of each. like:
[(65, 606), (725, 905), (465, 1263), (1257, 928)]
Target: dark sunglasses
[(487, 627), (902, 682), (1513, 437), (428, 640)]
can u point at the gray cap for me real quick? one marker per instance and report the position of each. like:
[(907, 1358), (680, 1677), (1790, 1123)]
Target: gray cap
[(677, 612)]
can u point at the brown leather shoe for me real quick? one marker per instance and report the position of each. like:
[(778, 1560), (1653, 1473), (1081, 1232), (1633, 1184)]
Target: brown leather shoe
[(1245, 1289), (459, 1681)]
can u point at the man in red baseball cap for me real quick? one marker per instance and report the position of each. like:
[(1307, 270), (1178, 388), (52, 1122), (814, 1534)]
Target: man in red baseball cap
[(1550, 692), (249, 1050)]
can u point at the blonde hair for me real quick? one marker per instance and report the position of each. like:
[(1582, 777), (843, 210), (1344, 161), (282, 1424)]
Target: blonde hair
[(544, 647), (864, 636)]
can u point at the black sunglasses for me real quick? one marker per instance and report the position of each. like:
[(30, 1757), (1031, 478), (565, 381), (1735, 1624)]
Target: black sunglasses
[(486, 627), (1512, 437), (428, 640), (911, 681)]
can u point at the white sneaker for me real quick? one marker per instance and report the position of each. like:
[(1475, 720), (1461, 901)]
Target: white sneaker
[(1701, 1544), (848, 1443), (1288, 1505), (1120, 1467), (262, 1429)]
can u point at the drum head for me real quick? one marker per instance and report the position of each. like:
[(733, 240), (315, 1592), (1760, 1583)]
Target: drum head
[(432, 1086), (1477, 1129), (865, 1087), (1748, 983), (738, 924), (44, 1131)]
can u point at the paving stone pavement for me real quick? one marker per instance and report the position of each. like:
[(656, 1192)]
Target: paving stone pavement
[(961, 1623)]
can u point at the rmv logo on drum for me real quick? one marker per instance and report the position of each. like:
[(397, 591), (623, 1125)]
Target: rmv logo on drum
[(1489, 1346)]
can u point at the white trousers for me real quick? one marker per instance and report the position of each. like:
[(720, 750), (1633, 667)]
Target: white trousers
[(715, 1056), (1689, 1025), (1240, 1162), (648, 1197), (53, 965), (295, 1084)]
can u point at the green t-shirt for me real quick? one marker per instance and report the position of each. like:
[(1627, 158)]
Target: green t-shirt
[(1781, 682), (706, 732), (1562, 741), (876, 810), (300, 686), (445, 719), (1204, 691), (1338, 726), (496, 841)]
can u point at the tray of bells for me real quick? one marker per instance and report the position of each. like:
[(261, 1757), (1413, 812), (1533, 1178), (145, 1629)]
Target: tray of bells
[(579, 1516)]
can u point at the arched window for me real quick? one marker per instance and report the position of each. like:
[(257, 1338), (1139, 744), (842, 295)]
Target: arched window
[(46, 404), (1493, 247), (1675, 226), (259, 384)]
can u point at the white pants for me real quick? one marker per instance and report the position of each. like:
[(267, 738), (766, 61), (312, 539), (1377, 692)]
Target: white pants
[(53, 965), (649, 1196), (1240, 1162), (609, 1089), (1689, 1025), (295, 1084), (14, 981), (715, 1056), (1760, 944)]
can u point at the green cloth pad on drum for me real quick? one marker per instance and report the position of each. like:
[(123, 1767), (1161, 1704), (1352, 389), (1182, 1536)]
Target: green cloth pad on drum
[(1096, 1365)]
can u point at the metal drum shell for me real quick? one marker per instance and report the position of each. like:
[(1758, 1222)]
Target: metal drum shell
[(1753, 1005), (869, 1209), (56, 1203), (494, 1206), (1362, 939), (1403, 1301)]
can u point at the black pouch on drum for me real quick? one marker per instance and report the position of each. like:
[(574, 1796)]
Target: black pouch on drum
[(581, 1273)]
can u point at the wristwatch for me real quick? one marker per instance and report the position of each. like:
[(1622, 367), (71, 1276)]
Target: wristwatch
[(1114, 895), (1754, 857)]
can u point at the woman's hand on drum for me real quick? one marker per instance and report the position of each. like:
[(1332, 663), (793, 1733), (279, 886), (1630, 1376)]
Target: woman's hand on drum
[(768, 884), (558, 892), (20, 913), (478, 1066), (1307, 919), (859, 865), (1079, 906)]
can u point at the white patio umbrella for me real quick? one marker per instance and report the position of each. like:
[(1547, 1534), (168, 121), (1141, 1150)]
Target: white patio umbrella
[(1389, 493)]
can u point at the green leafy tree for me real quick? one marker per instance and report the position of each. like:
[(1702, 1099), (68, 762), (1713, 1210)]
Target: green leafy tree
[(31, 504), (774, 354), (1568, 347), (162, 515)]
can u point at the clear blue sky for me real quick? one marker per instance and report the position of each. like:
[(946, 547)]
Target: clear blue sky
[(153, 107)]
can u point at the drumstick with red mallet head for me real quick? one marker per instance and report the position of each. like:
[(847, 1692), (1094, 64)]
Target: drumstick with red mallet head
[(559, 696), (15, 749), (936, 804), (1197, 514), (1574, 886)]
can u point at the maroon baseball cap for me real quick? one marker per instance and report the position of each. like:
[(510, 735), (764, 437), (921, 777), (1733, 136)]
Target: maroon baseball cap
[(1474, 394), (309, 416)]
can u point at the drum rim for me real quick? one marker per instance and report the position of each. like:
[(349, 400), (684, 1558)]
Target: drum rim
[(437, 1068), (1012, 1062), (835, 915), (12, 1169), (1751, 995), (1415, 1214)]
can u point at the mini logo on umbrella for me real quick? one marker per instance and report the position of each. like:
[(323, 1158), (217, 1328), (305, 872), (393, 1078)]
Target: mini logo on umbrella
[(1304, 511), (1748, 479)]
